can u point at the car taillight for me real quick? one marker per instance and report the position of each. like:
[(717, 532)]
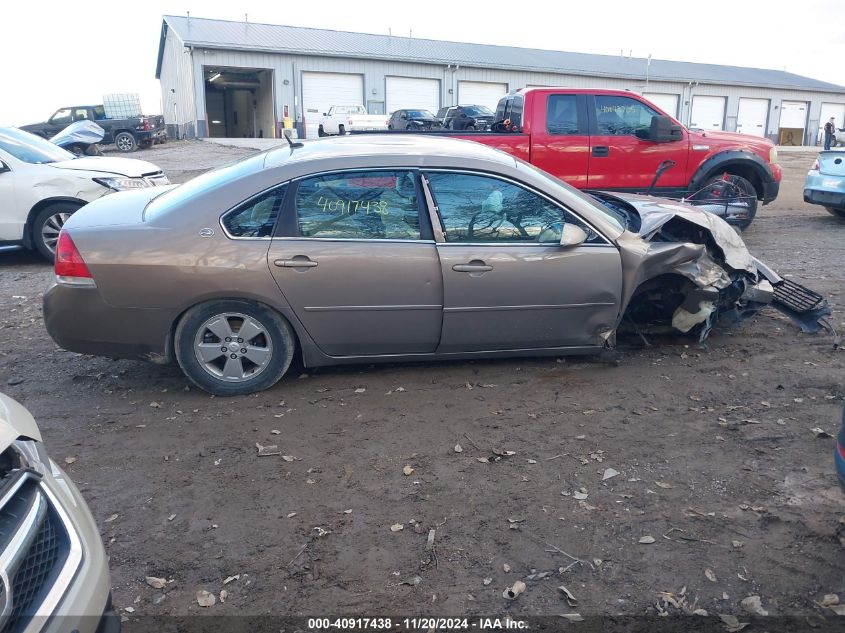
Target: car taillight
[(815, 166), (147, 126), (69, 263)]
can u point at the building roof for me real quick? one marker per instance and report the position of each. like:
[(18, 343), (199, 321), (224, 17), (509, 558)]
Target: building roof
[(275, 38)]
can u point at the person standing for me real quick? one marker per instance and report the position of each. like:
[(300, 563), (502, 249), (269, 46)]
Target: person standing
[(829, 131)]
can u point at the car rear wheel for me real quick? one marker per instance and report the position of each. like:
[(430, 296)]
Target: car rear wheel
[(341, 130), (233, 347), (46, 227), (839, 213), (470, 128), (125, 142)]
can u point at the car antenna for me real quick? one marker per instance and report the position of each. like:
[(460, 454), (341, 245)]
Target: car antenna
[(293, 145)]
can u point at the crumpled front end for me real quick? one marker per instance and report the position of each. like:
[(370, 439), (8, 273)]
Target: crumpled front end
[(688, 270)]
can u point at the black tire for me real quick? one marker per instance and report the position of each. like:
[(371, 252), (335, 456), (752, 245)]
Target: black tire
[(321, 132), (281, 346), (469, 128), (125, 142), (748, 194), (46, 225), (839, 213), (341, 130)]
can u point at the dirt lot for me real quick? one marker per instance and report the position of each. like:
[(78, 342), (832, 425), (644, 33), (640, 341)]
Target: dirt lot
[(713, 446)]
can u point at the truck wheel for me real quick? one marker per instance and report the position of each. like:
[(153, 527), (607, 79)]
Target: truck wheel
[(469, 128), (46, 227), (341, 130), (125, 142), (839, 213), (321, 132), (743, 194)]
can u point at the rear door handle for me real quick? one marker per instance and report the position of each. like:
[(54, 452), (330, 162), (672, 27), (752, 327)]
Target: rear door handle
[(304, 262), (474, 266), (601, 151)]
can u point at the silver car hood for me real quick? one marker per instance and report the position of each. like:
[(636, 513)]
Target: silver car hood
[(656, 212), (15, 422)]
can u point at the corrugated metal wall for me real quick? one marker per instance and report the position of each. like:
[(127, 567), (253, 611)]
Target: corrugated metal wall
[(177, 94), (288, 71)]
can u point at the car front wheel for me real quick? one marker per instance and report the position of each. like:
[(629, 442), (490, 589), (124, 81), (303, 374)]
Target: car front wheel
[(233, 347), (46, 227)]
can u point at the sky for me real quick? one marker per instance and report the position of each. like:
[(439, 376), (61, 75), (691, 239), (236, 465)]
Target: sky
[(58, 54)]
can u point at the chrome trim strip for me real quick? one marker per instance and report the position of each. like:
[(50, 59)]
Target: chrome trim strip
[(20, 482), (370, 308), (558, 306), (72, 563), (346, 239)]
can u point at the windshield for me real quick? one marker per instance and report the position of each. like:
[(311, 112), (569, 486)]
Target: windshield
[(31, 149), (478, 111), (615, 216), (203, 183), (420, 114)]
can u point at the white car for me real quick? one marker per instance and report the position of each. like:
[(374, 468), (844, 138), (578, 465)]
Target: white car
[(54, 574), (42, 185), (350, 118)]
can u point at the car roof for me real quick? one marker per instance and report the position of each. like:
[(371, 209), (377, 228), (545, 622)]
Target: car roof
[(386, 145)]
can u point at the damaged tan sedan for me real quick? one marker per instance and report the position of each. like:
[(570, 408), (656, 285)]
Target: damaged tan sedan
[(362, 249)]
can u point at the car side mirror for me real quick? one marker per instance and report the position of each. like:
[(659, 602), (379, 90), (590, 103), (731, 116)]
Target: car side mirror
[(664, 130), (572, 235)]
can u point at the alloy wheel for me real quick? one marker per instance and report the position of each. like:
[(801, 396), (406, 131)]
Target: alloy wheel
[(50, 230), (233, 347)]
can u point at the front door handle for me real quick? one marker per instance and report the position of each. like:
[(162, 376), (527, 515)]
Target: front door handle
[(475, 266), (300, 261), (601, 151)]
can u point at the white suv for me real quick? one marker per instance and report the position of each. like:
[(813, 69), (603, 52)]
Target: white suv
[(42, 185), (54, 574)]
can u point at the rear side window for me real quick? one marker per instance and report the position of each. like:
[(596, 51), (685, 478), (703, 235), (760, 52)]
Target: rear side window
[(562, 114), (256, 217), (375, 205), (515, 111)]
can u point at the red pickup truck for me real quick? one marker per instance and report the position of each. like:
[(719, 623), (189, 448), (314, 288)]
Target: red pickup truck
[(616, 140)]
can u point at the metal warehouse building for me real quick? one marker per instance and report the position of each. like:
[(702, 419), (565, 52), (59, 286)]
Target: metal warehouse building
[(240, 79)]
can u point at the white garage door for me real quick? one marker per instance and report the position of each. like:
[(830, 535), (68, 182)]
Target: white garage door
[(793, 114), (481, 93), (666, 102), (410, 92), (752, 116), (320, 91), (708, 113), (835, 110)]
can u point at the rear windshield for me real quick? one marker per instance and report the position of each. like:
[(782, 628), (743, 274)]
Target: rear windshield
[(210, 180), (478, 111)]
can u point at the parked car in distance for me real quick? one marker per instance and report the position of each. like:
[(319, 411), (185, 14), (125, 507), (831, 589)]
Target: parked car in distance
[(413, 120), (825, 182), (55, 570), (42, 185), (127, 134), (375, 248), (469, 118), (340, 120), (839, 455)]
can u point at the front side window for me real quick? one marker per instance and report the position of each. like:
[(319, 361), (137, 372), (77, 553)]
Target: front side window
[(256, 217), (620, 116), (562, 114), (359, 205), (61, 117), (480, 208)]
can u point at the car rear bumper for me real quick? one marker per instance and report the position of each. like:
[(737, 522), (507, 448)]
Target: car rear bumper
[(79, 320), (835, 199)]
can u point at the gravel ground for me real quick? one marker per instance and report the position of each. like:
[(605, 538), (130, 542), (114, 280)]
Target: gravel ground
[(712, 444)]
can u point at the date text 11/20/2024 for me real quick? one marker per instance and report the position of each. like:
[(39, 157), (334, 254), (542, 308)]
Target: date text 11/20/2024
[(417, 624)]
